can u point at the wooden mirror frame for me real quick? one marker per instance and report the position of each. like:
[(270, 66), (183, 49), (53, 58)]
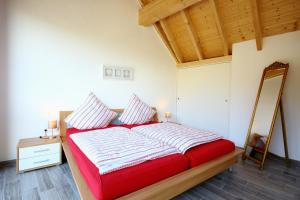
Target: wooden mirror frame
[(267, 73)]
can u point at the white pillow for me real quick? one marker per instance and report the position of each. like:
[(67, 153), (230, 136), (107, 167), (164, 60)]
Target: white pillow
[(91, 114), (137, 112)]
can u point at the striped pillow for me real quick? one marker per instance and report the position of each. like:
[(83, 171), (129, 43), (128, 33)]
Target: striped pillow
[(137, 112), (91, 114)]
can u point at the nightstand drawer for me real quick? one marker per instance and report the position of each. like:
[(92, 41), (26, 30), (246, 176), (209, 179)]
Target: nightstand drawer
[(29, 152), (40, 161)]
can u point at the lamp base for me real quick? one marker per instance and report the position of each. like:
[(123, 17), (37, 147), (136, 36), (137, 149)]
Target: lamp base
[(52, 137), (44, 137)]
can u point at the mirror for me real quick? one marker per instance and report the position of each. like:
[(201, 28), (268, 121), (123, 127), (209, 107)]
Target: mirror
[(268, 101)]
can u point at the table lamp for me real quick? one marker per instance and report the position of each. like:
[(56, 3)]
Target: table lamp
[(52, 124), (168, 115)]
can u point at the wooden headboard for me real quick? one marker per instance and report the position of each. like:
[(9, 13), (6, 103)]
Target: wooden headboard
[(64, 114)]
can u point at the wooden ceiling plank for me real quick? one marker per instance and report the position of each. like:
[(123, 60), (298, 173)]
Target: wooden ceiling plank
[(209, 61), (161, 35), (161, 9), (141, 3), (164, 38), (192, 33), (220, 27), (256, 23), (276, 17), (171, 39)]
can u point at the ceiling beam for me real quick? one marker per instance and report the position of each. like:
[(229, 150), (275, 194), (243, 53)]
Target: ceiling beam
[(209, 61), (171, 39), (162, 35), (192, 33), (256, 23), (160, 9), (220, 27)]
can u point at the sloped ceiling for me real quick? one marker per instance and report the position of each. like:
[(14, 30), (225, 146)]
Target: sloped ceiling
[(200, 31)]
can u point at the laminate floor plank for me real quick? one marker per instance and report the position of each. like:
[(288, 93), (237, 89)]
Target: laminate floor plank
[(28, 181), (1, 180), (207, 194), (31, 194), (12, 190), (10, 174), (224, 194), (185, 196), (67, 193), (51, 194), (277, 187), (239, 190), (263, 182), (232, 180), (275, 182), (44, 180)]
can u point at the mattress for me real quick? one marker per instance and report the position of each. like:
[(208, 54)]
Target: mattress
[(127, 180)]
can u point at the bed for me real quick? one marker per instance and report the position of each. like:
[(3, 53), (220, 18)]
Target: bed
[(163, 178), (124, 181)]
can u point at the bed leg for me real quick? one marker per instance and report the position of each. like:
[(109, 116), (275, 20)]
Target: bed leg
[(230, 169)]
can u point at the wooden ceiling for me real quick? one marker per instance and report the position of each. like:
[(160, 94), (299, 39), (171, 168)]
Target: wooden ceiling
[(203, 31)]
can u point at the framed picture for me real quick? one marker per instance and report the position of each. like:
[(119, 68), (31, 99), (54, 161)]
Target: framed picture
[(118, 73), (108, 72), (128, 74)]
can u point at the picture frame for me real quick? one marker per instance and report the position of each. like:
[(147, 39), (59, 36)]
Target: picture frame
[(118, 73)]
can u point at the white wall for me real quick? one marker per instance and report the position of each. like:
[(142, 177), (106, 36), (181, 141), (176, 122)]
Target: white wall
[(247, 67), (203, 97), (56, 49)]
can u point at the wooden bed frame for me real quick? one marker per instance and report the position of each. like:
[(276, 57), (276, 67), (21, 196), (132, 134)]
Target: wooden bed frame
[(165, 189)]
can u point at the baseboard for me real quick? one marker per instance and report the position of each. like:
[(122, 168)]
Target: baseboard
[(296, 162), (8, 163)]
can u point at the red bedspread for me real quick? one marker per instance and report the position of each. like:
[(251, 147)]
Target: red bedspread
[(125, 181), (209, 151)]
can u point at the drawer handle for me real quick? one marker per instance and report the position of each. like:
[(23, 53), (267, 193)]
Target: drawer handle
[(40, 151), (42, 161)]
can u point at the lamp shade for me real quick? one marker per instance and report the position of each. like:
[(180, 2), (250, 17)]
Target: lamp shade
[(168, 115), (52, 124)]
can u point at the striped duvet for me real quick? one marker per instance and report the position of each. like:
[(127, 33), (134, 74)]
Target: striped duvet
[(178, 136), (116, 148)]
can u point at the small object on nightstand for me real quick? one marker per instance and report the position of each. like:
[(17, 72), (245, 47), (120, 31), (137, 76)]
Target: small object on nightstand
[(36, 153), (45, 135), (168, 115), (52, 124)]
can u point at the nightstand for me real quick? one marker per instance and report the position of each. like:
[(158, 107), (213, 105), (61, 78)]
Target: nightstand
[(35, 153), (173, 122)]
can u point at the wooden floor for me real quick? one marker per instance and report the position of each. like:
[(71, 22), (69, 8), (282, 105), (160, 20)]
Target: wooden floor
[(245, 182)]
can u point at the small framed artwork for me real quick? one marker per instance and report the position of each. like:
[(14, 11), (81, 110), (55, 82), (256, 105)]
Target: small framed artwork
[(128, 74), (108, 72), (118, 73)]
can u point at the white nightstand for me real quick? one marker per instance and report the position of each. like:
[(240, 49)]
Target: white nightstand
[(35, 153)]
